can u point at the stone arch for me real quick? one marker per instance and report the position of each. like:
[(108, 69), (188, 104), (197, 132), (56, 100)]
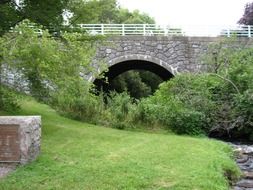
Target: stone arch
[(144, 58), (121, 64)]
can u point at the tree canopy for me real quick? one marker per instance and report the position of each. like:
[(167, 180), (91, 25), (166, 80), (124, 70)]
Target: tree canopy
[(105, 11), (51, 13), (48, 13)]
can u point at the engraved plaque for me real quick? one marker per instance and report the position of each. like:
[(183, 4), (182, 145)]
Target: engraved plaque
[(9, 143)]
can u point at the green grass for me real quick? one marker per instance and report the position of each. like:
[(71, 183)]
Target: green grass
[(77, 155)]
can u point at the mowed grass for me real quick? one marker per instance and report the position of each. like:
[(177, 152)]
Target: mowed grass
[(77, 155)]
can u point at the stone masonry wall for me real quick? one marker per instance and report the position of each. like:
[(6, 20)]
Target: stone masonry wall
[(29, 135), (175, 53)]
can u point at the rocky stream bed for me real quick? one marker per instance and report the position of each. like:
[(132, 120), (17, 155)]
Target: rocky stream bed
[(244, 159)]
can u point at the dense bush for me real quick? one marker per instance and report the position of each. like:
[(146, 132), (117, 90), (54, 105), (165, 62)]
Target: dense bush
[(44, 61), (182, 104), (120, 107), (219, 102), (8, 100), (75, 101), (138, 83)]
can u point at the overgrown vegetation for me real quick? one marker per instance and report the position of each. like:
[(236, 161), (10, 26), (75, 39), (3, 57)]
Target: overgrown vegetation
[(8, 100), (44, 65), (218, 102), (51, 14), (137, 83)]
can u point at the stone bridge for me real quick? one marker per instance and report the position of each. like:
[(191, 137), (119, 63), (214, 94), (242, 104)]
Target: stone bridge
[(165, 56)]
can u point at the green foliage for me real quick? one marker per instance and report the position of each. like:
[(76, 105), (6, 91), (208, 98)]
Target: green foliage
[(135, 17), (75, 101), (105, 11), (94, 11), (183, 104), (48, 13), (9, 16), (119, 106), (47, 63), (151, 80), (36, 57), (235, 92), (244, 114), (8, 100), (139, 84), (218, 102)]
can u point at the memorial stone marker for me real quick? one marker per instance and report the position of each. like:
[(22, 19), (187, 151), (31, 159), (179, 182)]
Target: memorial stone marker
[(19, 138)]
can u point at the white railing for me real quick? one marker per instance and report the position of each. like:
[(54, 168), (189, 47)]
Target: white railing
[(129, 29), (158, 30), (154, 30)]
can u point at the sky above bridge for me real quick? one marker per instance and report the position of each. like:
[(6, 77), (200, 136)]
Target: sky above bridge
[(190, 12)]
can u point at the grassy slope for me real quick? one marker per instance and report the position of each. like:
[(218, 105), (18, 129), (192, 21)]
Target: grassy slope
[(80, 156)]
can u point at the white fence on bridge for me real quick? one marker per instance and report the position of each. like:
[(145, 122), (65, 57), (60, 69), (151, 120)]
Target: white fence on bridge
[(154, 30), (159, 30)]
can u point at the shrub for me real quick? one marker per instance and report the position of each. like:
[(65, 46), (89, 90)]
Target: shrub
[(44, 61), (8, 100), (75, 101), (183, 104), (243, 115), (188, 122), (119, 105), (173, 115)]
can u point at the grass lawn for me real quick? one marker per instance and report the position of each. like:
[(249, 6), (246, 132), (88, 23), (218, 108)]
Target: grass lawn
[(77, 155)]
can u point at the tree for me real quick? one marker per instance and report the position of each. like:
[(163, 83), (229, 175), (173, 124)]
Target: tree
[(48, 13), (46, 63), (247, 17), (105, 11), (138, 83), (135, 17), (94, 11), (9, 15)]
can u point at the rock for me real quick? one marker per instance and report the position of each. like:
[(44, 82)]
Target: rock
[(29, 135), (237, 188), (108, 51), (248, 175), (242, 159), (245, 183), (159, 46), (248, 150)]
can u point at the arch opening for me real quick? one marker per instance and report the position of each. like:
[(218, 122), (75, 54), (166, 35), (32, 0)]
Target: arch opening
[(129, 65)]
